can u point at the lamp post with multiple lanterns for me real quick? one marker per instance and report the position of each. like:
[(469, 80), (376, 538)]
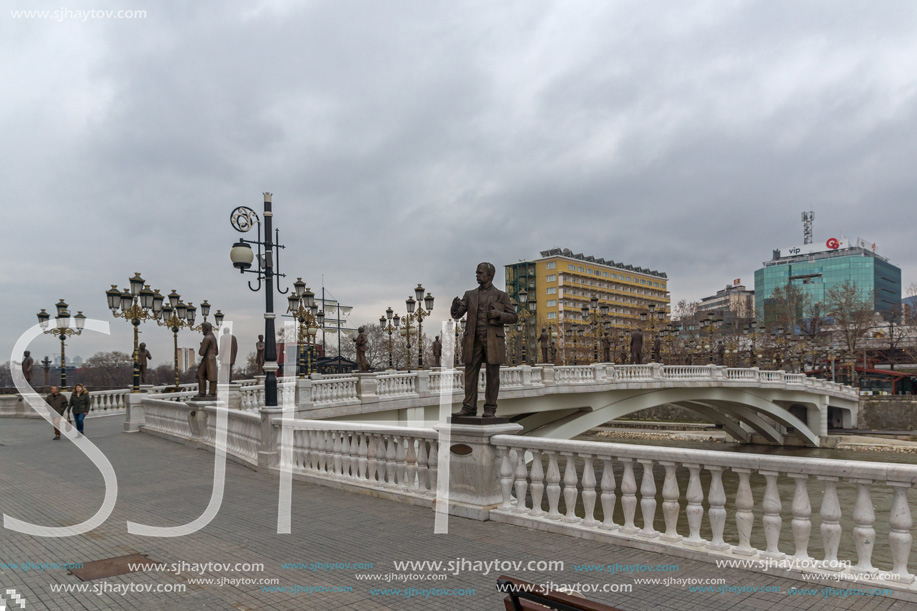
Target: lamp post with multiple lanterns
[(137, 304), (63, 328), (242, 220), (417, 315), (390, 325), (596, 316), (177, 315), (301, 304)]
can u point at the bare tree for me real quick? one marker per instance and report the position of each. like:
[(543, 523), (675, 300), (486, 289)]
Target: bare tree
[(852, 311)]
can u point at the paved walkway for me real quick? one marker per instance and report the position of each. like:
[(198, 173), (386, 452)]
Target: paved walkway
[(163, 483)]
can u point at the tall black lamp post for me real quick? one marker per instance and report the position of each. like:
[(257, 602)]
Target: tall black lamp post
[(390, 325), (242, 220), (62, 328)]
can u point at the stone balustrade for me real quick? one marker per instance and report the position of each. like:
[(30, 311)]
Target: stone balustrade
[(590, 490), (681, 502)]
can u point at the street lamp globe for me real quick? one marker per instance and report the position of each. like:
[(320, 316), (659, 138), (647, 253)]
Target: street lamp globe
[(80, 320), (428, 302), (114, 297), (43, 318), (241, 256)]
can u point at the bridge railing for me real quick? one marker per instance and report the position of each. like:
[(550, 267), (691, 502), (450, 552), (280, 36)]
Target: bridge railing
[(399, 461), (579, 486)]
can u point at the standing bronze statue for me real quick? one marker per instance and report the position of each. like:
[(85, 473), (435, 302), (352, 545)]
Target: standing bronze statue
[(553, 352), (720, 354), (259, 356), (27, 364), (437, 352), (484, 342), (207, 370), (636, 347), (143, 355), (606, 347), (657, 350), (361, 341), (545, 341)]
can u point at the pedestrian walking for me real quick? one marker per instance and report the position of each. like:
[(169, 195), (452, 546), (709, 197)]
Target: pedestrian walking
[(79, 405), (58, 403)]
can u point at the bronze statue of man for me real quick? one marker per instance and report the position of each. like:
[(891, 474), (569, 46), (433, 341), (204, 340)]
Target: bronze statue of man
[(636, 347), (437, 352), (143, 355), (259, 356), (207, 370), (545, 341), (361, 341), (606, 347), (657, 349), (27, 364), (484, 342), (720, 354)]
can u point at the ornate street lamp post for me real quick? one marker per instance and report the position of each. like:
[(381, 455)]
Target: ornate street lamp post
[(63, 328), (177, 315), (46, 365), (302, 305), (389, 325), (597, 317), (419, 315), (137, 304), (242, 220)]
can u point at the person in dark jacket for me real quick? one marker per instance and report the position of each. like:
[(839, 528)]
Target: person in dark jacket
[(79, 405), (58, 403)]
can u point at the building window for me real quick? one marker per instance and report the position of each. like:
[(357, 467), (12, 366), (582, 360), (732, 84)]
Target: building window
[(551, 265), (551, 303), (551, 315), (579, 269), (551, 278), (552, 290)]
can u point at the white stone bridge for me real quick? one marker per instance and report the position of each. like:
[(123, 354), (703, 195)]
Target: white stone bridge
[(566, 401)]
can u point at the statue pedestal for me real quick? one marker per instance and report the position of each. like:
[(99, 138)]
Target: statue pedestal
[(474, 482), (476, 420)]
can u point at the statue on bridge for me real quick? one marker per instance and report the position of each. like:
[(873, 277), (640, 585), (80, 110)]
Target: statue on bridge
[(606, 348), (437, 352), (636, 347), (207, 370), (657, 349), (143, 355), (259, 356), (484, 342), (545, 341), (27, 363), (361, 341), (720, 353)]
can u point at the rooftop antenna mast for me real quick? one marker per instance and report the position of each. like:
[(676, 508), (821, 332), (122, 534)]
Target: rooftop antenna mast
[(807, 218)]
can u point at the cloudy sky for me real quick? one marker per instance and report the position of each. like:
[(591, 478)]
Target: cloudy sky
[(404, 141)]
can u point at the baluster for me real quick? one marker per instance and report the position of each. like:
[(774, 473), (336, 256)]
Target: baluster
[(588, 490), (772, 520), (433, 471), (553, 486), (400, 462), (521, 480), (422, 464), (608, 494), (371, 454), (648, 500), (745, 519), (899, 537), (570, 491), (801, 512), (629, 496), (329, 450), (830, 524), (670, 506), (695, 508), (506, 477), (537, 476), (390, 465), (337, 451), (315, 449), (361, 456), (864, 535), (346, 455), (716, 497), (410, 459)]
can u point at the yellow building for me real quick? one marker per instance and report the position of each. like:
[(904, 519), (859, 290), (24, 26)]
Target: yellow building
[(561, 282)]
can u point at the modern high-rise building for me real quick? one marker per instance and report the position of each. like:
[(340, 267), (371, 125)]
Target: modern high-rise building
[(186, 358), (560, 282), (815, 269), (734, 303)]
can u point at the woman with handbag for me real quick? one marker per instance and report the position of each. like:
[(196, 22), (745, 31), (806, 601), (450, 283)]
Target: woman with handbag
[(79, 405)]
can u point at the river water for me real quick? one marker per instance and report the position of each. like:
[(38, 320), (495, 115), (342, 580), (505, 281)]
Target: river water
[(882, 496)]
